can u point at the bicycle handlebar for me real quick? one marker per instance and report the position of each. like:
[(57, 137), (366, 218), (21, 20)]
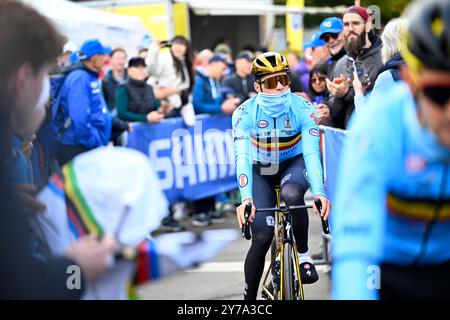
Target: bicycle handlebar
[(248, 208), (284, 208)]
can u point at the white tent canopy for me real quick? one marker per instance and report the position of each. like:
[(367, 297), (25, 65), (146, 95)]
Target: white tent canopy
[(79, 23), (226, 8), (255, 7)]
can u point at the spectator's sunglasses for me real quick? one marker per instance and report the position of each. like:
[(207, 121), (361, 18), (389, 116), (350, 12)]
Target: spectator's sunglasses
[(318, 79), (439, 94), (272, 82), (328, 36)]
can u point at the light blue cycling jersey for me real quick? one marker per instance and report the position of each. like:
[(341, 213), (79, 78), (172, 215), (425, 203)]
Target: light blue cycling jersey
[(259, 137), (392, 201)]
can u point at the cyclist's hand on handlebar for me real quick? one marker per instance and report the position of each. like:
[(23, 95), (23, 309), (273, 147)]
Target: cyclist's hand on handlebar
[(326, 206), (240, 212)]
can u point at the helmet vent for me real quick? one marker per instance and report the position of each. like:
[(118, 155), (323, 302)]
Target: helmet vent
[(272, 60)]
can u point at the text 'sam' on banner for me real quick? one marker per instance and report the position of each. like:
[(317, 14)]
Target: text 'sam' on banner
[(192, 162)]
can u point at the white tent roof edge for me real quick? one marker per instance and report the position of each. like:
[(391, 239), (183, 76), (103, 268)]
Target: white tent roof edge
[(79, 23), (230, 7)]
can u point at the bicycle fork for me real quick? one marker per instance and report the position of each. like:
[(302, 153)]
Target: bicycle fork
[(289, 241), (283, 224)]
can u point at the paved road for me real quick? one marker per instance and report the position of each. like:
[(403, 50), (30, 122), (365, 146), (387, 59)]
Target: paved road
[(223, 277)]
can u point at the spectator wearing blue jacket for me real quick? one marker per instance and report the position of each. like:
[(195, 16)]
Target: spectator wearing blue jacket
[(85, 123), (207, 93)]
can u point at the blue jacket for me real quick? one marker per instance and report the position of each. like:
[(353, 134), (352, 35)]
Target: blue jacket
[(207, 94), (82, 100), (393, 195)]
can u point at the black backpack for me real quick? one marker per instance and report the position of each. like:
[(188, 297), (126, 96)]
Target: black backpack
[(60, 122)]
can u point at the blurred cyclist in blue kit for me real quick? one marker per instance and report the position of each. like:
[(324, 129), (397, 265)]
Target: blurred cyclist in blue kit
[(391, 221)]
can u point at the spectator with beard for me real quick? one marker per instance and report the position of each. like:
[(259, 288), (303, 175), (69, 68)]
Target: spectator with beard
[(361, 47)]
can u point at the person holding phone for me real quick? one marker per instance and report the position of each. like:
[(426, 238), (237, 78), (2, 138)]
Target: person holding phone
[(392, 60), (171, 74)]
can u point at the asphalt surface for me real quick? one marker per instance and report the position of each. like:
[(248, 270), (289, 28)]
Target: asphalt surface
[(223, 278)]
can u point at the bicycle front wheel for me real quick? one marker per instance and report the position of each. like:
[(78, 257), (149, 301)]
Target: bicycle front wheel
[(287, 281)]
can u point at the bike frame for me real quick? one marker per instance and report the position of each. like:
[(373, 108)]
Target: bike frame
[(283, 236)]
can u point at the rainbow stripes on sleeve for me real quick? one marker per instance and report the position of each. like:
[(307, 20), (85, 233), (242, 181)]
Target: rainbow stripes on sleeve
[(147, 262), (81, 219)]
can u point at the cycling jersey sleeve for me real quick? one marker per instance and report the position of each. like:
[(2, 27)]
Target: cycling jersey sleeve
[(311, 147), (242, 151), (359, 210)]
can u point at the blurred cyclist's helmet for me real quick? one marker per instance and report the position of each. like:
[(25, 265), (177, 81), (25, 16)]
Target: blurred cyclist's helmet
[(267, 63), (428, 36)]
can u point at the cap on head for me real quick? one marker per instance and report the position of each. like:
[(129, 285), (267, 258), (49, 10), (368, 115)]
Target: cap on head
[(315, 41), (136, 62), (74, 57), (245, 54), (269, 62), (362, 12), (217, 57), (92, 47), (70, 47), (331, 25), (222, 48)]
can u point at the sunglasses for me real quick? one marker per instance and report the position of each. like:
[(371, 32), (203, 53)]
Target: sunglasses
[(320, 79), (272, 82), (440, 95), (328, 36)]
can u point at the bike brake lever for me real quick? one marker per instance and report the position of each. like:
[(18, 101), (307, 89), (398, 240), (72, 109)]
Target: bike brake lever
[(325, 225), (246, 226)]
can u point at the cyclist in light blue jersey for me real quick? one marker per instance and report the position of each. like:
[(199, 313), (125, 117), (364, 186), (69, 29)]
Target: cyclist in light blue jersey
[(276, 141), (391, 224)]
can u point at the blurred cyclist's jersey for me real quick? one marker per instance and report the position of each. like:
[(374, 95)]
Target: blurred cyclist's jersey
[(393, 196), (260, 138)]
